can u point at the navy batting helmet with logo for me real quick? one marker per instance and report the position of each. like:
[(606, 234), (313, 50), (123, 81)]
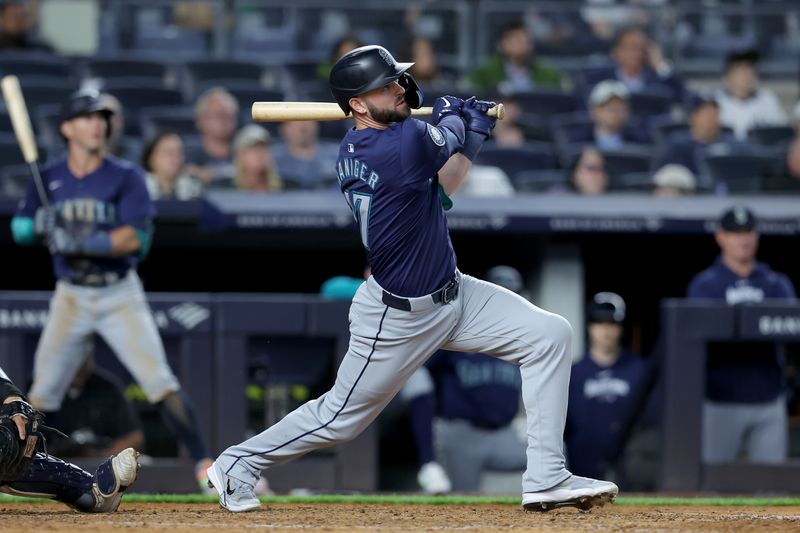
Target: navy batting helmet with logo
[(367, 68), (84, 102)]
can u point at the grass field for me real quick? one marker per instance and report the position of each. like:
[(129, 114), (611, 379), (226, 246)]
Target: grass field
[(405, 512)]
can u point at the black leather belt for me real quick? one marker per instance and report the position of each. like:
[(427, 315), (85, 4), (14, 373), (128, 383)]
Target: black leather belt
[(444, 295), (98, 279)]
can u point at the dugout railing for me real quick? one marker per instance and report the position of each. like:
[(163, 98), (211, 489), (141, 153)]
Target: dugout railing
[(688, 326)]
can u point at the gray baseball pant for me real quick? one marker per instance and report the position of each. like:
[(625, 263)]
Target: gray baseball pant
[(758, 431), (387, 345)]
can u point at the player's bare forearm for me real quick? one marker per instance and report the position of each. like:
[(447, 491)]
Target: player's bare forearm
[(124, 241), (452, 174)]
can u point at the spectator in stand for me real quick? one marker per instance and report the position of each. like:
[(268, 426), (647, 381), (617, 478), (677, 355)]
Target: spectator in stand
[(639, 65), (705, 136), (588, 175), (743, 104), (17, 22), (216, 116), (744, 415), (96, 416), (340, 48), (673, 181), (119, 144), (426, 71), (793, 155), (255, 168), (474, 400), (508, 133), (514, 68), (166, 179), (302, 159), (601, 389), (610, 112)]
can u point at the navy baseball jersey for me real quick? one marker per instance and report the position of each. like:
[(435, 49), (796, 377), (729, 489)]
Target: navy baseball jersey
[(599, 399), (475, 387), (389, 178), (732, 365), (112, 196)]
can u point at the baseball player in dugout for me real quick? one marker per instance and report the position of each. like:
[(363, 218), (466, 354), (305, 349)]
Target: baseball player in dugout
[(27, 470), (397, 174), (97, 224)]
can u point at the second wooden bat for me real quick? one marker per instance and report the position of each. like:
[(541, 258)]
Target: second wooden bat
[(283, 111)]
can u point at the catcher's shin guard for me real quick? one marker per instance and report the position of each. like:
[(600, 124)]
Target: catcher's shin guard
[(50, 477)]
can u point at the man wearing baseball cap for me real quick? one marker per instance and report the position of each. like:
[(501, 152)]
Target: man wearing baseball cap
[(601, 389), (744, 413), (609, 108)]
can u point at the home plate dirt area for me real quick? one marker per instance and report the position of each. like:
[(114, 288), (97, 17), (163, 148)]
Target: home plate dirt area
[(346, 517)]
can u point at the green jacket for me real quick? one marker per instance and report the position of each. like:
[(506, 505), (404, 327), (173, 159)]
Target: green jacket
[(488, 76)]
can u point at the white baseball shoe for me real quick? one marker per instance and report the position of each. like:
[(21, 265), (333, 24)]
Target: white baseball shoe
[(433, 479), (234, 495), (113, 476), (575, 491)]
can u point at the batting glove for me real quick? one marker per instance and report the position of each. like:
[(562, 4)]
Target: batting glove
[(444, 106), (45, 220), (474, 112), (60, 241)]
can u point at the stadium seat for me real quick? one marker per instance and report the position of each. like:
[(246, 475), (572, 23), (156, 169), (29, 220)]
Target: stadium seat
[(626, 160), (546, 103), (27, 65), (171, 41), (110, 68), (42, 94), (631, 182), (743, 172), (648, 104), (540, 180), (178, 119), (10, 153), (531, 156), (134, 98), (771, 135)]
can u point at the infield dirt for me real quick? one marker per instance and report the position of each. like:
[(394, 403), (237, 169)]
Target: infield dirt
[(335, 518)]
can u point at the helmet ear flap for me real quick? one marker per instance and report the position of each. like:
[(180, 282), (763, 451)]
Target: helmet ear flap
[(413, 94)]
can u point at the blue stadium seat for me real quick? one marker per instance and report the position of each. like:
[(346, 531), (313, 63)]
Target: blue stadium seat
[(36, 65), (37, 95), (546, 102), (743, 172), (10, 153), (771, 135), (178, 119), (172, 42), (135, 98), (540, 180), (650, 103), (109, 68), (531, 156), (627, 160)]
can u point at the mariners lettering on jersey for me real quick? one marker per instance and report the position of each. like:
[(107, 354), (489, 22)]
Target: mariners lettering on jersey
[(743, 292), (471, 374), (605, 387), (88, 210), (351, 167)]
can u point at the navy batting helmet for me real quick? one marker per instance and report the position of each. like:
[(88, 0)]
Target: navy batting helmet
[(84, 102), (367, 68)]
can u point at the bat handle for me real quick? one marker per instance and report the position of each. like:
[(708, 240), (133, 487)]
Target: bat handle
[(497, 111)]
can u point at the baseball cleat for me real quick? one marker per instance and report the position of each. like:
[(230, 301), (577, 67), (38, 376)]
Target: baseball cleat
[(234, 495), (576, 491), (433, 479), (113, 476)]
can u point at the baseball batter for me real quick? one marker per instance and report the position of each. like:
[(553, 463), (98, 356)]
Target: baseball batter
[(396, 174), (97, 226)]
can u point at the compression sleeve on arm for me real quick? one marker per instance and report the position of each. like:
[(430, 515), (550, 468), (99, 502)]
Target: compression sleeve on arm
[(454, 126), (8, 389), (473, 144), (22, 230)]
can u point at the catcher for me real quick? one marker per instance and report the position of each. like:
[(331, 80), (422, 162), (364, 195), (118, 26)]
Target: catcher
[(27, 470)]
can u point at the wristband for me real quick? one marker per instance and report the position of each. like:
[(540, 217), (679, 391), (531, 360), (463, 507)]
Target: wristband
[(473, 144)]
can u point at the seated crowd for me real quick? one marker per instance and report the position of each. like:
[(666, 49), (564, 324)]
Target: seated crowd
[(627, 123)]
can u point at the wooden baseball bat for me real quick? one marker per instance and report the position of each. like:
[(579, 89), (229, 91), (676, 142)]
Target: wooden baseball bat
[(283, 111), (21, 122)]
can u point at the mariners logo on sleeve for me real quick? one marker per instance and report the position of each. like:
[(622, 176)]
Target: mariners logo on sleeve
[(436, 136)]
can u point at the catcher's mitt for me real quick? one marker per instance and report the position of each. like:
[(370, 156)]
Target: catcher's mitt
[(16, 454)]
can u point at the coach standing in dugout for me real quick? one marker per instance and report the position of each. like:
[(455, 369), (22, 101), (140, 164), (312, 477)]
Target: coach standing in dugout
[(744, 412), (97, 224)]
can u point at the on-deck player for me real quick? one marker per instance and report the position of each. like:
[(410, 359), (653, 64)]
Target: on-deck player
[(98, 226), (396, 174)]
